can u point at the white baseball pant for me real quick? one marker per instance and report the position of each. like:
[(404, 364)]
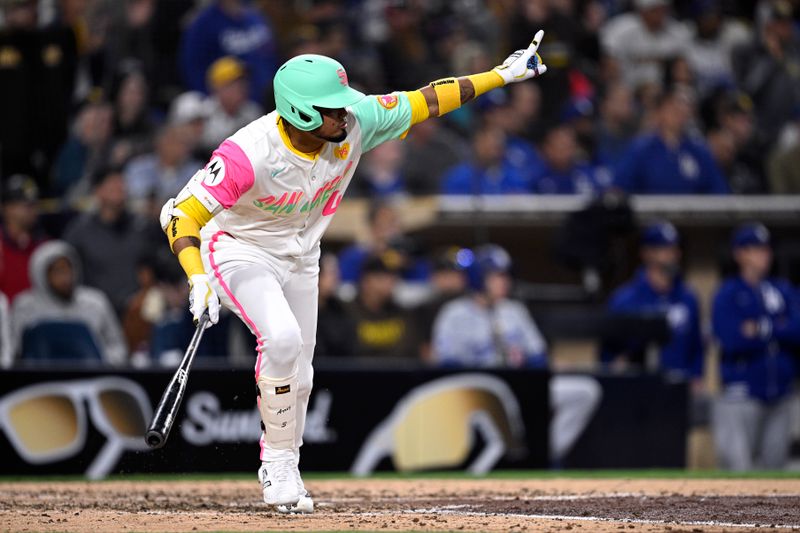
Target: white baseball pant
[(751, 434), (276, 297)]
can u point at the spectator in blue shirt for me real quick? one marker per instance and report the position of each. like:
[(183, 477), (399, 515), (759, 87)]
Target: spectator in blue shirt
[(490, 172), (756, 320), (561, 172), (670, 160), (509, 115), (386, 240), (615, 126), (489, 329), (658, 288), (229, 28)]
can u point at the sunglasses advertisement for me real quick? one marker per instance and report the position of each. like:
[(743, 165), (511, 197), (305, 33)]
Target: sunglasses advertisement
[(93, 424)]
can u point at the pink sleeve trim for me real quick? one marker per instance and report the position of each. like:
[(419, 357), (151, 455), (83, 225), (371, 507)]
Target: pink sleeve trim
[(237, 174)]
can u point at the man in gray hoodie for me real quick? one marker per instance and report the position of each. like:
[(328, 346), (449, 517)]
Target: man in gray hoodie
[(56, 295)]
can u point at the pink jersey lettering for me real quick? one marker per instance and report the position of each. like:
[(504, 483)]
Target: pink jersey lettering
[(332, 205)]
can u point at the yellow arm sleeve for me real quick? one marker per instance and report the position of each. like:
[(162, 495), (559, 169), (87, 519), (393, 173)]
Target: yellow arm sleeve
[(192, 216), (448, 90), (448, 94), (485, 82), (190, 261), (419, 107)]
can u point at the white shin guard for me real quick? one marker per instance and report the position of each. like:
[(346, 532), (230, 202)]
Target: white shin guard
[(278, 407)]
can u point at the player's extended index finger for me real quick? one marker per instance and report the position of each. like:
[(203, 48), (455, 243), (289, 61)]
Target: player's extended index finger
[(537, 39)]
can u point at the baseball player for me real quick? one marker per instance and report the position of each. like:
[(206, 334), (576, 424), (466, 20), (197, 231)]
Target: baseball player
[(756, 319), (247, 227)]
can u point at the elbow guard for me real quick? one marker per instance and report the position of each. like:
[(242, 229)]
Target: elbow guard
[(191, 210), (203, 207), (183, 219), (177, 223)]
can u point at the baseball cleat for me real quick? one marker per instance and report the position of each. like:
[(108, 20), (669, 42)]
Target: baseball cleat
[(279, 482), (305, 505)]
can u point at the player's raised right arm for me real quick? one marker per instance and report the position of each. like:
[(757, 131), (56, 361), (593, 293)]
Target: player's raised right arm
[(390, 116), (447, 94)]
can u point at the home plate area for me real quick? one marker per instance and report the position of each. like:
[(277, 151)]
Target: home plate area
[(408, 505)]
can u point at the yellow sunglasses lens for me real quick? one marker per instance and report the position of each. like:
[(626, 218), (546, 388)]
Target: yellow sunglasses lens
[(123, 413), (44, 424), (436, 431)]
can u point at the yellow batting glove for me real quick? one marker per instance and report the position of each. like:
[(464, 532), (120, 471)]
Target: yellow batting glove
[(202, 297), (523, 64)]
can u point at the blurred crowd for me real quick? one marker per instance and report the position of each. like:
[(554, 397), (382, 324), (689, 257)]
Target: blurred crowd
[(109, 106), (647, 96)]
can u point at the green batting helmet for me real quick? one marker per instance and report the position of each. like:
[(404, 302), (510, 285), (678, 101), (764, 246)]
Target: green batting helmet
[(310, 80)]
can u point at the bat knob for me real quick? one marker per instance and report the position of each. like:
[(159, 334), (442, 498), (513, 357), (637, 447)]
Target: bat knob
[(154, 439)]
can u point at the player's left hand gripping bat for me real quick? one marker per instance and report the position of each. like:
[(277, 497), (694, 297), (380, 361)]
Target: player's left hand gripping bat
[(167, 409)]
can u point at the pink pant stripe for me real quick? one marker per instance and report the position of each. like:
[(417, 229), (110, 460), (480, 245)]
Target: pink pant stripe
[(238, 305)]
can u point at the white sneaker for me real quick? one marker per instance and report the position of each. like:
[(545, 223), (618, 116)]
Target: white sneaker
[(305, 504), (279, 482)]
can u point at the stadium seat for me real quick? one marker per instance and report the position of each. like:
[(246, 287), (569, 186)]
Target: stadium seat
[(59, 341), (172, 336)]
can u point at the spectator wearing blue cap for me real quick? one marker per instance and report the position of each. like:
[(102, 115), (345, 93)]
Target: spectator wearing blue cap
[(563, 172), (658, 288), (756, 321), (670, 160), (501, 111), (489, 329), (449, 280), (578, 113), (489, 171), (229, 28), (616, 124)]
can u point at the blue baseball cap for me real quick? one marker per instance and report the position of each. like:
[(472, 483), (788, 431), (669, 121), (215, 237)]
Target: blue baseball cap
[(492, 100), (660, 233), (576, 108), (750, 235), (488, 258)]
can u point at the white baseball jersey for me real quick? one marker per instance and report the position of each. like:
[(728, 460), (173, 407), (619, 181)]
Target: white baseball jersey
[(266, 193)]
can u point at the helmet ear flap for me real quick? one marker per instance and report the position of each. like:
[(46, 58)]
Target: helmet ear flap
[(304, 118)]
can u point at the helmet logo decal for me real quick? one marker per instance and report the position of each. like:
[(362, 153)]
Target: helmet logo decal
[(341, 152), (342, 76), (389, 101)]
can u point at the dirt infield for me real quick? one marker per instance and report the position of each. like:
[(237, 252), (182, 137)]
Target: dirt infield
[(404, 505)]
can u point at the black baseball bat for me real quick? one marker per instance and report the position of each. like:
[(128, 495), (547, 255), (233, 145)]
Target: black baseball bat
[(167, 409)]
